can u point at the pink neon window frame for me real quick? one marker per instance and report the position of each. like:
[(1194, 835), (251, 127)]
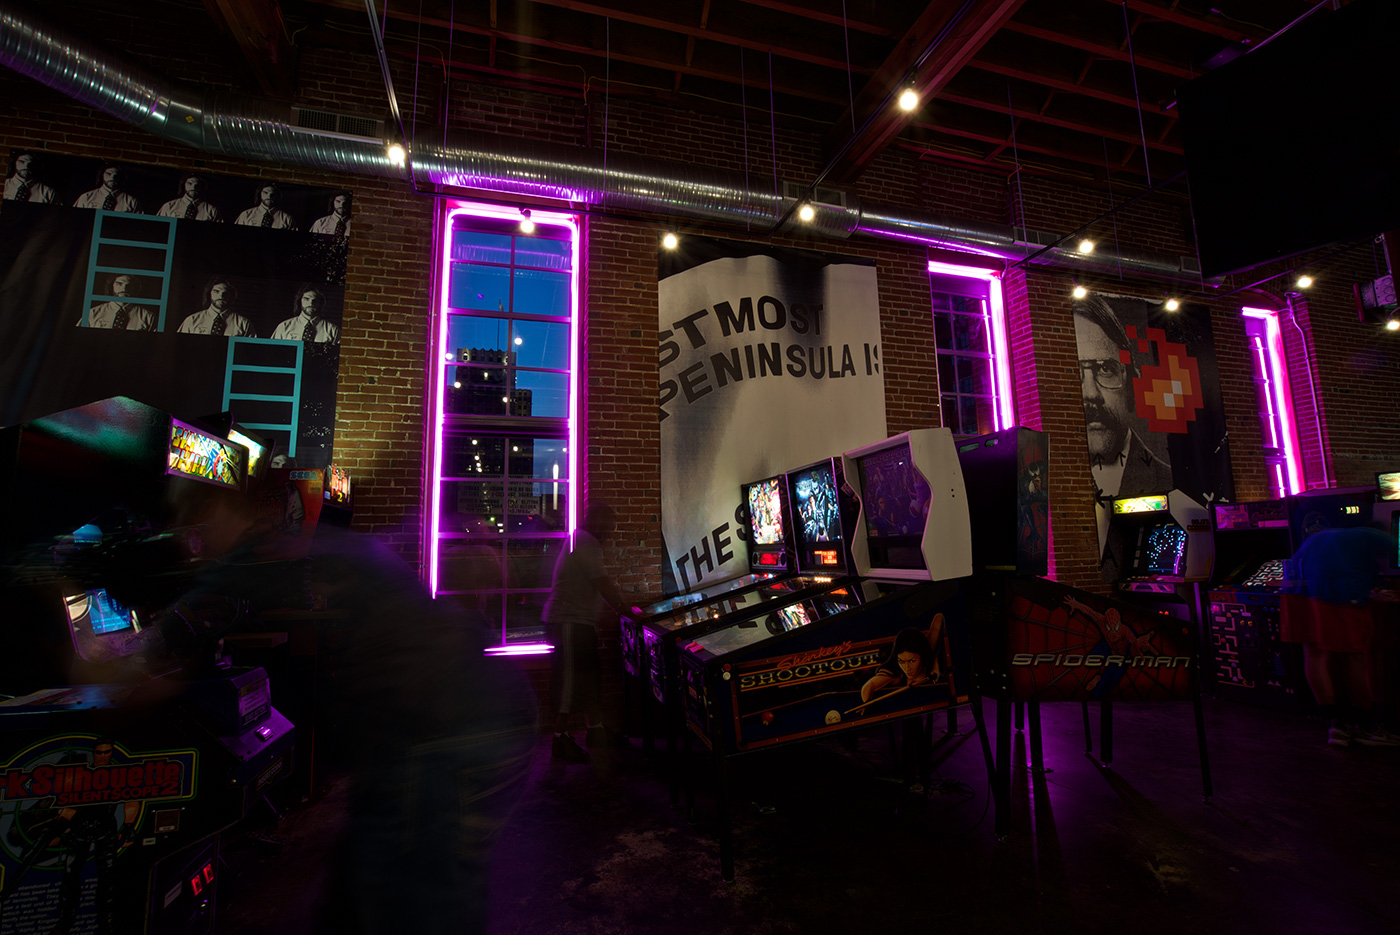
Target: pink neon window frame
[(1003, 409), (1275, 366), (437, 365)]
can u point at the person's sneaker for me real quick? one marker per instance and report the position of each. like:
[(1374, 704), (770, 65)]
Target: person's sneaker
[(567, 749), (1379, 738), (603, 736), (1339, 736)]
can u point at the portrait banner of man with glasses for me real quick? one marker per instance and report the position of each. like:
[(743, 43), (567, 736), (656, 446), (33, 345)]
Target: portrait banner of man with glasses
[(1153, 415)]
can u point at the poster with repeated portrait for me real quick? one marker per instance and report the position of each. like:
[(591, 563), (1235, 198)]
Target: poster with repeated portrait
[(190, 291)]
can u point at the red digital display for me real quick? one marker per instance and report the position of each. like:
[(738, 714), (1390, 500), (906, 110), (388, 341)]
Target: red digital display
[(825, 556), (768, 558), (202, 878)]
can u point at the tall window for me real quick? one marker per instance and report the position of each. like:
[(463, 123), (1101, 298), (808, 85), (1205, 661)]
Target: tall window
[(504, 382), (974, 381), (1281, 458)]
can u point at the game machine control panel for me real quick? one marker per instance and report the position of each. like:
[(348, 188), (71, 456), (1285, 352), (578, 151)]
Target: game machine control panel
[(771, 548)]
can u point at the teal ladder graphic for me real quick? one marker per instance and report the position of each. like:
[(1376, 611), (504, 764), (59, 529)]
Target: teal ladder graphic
[(161, 249), (238, 363)]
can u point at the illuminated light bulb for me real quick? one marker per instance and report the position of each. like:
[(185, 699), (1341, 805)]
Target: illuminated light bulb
[(1173, 305), (1086, 246), (397, 155), (514, 447), (505, 399), (519, 341), (806, 212), (448, 355), (456, 384), (1080, 292), (1392, 325), (908, 99), (1304, 281), (527, 226), (670, 241)]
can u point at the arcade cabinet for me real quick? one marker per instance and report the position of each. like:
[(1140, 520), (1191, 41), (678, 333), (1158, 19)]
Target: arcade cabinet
[(127, 747), (1169, 552), (1249, 661)]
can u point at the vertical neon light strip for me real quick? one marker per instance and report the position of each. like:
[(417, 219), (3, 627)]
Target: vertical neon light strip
[(1277, 375), (1004, 412), (440, 359)]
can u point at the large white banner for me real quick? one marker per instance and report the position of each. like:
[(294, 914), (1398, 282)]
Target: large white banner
[(769, 360)]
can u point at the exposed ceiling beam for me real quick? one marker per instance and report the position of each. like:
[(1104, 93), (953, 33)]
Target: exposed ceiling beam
[(935, 48), (999, 107), (806, 12), (257, 29), (1064, 84), (664, 24), (1213, 25), (1085, 44)]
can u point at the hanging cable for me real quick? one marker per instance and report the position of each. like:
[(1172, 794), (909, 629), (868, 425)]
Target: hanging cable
[(1132, 63)]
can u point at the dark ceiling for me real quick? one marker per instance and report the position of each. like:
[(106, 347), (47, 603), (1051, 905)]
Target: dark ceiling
[(1074, 88)]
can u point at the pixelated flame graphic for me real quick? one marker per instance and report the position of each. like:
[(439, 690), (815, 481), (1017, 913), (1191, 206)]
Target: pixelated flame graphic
[(1169, 393)]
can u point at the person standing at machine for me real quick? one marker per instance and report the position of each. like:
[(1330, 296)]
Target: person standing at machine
[(582, 596), (1327, 607), (437, 736)]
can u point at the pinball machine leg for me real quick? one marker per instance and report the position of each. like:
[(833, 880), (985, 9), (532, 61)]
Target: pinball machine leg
[(952, 719), (674, 722), (1088, 737), (1020, 715), (688, 778), (1105, 732), (1037, 751), (722, 826), (1200, 715), (999, 807)]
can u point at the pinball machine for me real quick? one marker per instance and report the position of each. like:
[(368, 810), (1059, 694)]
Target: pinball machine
[(886, 644)]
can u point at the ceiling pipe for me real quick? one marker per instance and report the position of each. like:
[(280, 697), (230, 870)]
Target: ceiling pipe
[(251, 129)]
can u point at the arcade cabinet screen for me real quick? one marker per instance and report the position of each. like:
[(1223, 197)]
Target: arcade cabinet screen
[(818, 515), (103, 615), (1388, 484), (794, 616), (1269, 575), (257, 451), (765, 501), (1165, 550), (895, 499), (337, 488), (205, 457)]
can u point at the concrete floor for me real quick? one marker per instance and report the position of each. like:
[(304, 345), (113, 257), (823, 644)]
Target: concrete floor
[(1299, 837)]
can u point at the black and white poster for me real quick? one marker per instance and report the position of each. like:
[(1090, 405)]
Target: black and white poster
[(188, 291), (1153, 414), (769, 360)]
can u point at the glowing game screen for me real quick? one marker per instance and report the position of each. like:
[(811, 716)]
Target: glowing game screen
[(205, 457), (96, 610), (257, 451), (894, 495), (337, 489), (1388, 484), (1164, 550), (818, 515), (765, 501), (1269, 575)]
